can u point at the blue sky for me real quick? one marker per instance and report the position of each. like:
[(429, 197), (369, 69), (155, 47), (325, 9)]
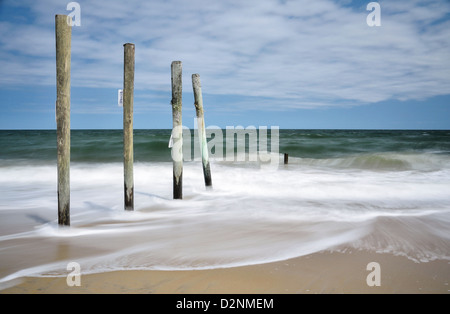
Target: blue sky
[(287, 63)]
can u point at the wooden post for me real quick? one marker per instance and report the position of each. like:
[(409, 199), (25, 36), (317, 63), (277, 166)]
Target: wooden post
[(201, 128), (63, 35), (128, 91), (286, 158), (177, 130)]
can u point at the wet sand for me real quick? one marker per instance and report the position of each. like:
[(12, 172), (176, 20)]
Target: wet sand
[(324, 272)]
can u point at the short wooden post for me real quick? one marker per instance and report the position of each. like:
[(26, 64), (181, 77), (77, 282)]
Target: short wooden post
[(128, 92), (177, 130), (286, 158), (201, 128), (63, 35)]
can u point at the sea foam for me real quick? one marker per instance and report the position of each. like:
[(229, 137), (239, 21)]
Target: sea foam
[(252, 215)]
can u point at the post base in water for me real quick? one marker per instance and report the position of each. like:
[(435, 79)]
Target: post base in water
[(129, 200), (178, 187)]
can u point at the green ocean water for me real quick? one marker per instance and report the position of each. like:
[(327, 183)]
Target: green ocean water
[(103, 146)]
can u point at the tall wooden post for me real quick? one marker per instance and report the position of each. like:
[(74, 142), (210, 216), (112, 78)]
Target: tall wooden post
[(128, 92), (63, 35), (201, 128), (177, 130)]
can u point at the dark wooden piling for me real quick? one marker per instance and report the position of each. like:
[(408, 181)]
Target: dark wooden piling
[(286, 158), (128, 94), (177, 130), (63, 36), (196, 85)]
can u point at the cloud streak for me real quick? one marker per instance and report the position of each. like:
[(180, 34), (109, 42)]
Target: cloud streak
[(292, 54)]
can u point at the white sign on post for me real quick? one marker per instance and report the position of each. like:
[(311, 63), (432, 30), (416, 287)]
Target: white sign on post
[(120, 98)]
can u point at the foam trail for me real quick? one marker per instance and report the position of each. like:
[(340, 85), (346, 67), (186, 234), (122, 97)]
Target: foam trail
[(253, 215)]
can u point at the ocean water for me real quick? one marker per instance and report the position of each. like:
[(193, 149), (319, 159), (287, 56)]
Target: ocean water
[(376, 190)]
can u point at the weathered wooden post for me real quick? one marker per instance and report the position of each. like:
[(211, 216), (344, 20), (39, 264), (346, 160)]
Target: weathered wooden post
[(128, 91), (177, 130), (286, 158), (63, 35), (201, 128)]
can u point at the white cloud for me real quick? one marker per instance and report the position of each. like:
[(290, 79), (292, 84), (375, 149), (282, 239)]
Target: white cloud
[(294, 53)]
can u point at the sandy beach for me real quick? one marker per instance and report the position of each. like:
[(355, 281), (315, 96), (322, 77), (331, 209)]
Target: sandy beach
[(324, 272)]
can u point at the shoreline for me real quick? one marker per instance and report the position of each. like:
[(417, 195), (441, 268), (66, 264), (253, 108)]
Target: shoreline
[(323, 272)]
